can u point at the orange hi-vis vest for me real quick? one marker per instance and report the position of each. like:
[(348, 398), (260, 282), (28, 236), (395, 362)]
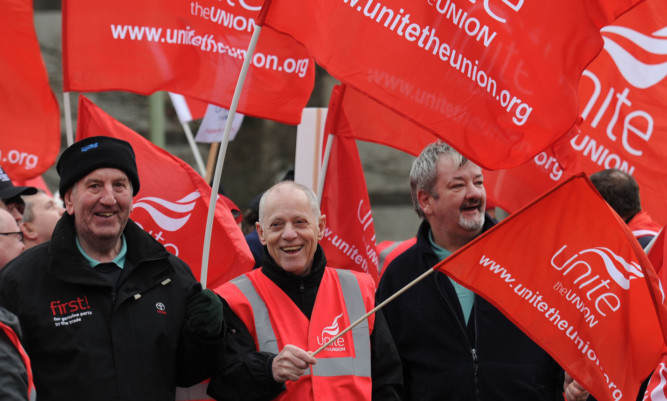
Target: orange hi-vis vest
[(343, 369)]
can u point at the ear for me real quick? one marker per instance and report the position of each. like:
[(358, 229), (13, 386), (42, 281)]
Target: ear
[(260, 232), (28, 231), (424, 200), (321, 224), (69, 202)]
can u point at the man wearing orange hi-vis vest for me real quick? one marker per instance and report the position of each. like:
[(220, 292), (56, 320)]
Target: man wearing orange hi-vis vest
[(281, 317)]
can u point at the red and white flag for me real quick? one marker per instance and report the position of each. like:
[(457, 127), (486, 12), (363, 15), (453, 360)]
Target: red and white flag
[(192, 48), (29, 113), (349, 235), (584, 292), (172, 204), (496, 81), (623, 96)]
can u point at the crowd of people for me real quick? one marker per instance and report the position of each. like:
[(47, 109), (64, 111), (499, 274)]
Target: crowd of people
[(93, 308)]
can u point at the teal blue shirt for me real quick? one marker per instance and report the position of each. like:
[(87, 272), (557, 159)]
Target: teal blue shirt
[(119, 260), (466, 297)]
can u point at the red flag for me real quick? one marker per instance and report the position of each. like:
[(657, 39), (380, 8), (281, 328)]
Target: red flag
[(349, 236), (623, 97), (192, 48), (172, 204), (386, 127), (29, 113), (577, 292), (499, 83)]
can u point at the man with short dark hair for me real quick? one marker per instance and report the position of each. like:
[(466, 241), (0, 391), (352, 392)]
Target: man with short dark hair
[(11, 195), (621, 191), (107, 313)]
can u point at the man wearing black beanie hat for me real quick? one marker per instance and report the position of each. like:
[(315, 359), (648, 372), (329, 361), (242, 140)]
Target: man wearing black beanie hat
[(107, 312)]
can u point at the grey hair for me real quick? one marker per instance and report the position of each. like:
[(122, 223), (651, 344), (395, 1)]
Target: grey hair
[(313, 201), (424, 175), (28, 215)]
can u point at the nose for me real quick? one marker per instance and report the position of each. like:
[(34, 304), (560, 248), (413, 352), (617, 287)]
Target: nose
[(289, 232), (474, 191), (108, 197)]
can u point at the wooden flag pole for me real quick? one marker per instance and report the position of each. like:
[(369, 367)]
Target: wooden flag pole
[(223, 150)]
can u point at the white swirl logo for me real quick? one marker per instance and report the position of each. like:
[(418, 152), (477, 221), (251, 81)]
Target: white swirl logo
[(638, 74), (618, 268), (170, 216), (334, 329)]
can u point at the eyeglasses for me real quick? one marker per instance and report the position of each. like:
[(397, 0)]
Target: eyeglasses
[(18, 234)]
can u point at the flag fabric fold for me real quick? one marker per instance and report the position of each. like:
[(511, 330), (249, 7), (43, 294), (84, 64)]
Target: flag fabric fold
[(29, 112), (173, 202), (497, 83), (623, 95), (349, 235), (585, 291), (192, 48)]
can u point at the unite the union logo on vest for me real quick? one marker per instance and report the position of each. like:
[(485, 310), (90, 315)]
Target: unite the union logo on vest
[(330, 332)]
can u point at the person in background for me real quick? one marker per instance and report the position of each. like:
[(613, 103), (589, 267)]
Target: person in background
[(454, 345), (15, 375), (40, 216), (11, 196), (107, 313), (279, 314), (621, 191)]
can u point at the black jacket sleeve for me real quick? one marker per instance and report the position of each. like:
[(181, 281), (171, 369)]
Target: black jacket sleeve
[(386, 371), (244, 373)]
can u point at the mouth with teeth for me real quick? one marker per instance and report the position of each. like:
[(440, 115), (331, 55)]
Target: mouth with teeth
[(291, 249), (105, 214), (472, 206)]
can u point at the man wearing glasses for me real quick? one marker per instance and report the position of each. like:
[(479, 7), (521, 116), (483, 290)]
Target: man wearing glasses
[(14, 379), (11, 196), (11, 238)]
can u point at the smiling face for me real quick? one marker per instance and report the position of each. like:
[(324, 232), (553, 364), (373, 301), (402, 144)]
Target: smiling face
[(101, 203), (290, 227), (455, 207)]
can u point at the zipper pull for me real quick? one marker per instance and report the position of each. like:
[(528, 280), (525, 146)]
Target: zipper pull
[(301, 287)]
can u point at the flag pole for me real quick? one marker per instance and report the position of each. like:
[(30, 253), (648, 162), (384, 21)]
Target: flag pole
[(380, 306), (68, 119), (323, 171), (223, 150), (195, 150)]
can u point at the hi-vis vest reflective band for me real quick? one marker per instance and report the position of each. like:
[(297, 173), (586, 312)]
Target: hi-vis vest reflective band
[(343, 368)]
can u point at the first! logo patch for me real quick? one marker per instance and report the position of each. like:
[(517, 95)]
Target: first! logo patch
[(70, 312)]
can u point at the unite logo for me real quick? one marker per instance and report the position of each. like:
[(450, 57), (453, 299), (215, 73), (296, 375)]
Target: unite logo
[(583, 271), (169, 216), (328, 333), (652, 48)]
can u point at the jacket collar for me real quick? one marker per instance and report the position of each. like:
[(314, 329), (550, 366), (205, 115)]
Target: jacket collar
[(67, 262)]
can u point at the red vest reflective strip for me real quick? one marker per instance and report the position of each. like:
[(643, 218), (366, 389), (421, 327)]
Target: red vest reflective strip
[(19, 347), (343, 368)]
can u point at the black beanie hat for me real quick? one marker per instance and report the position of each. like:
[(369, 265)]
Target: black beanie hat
[(92, 153)]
